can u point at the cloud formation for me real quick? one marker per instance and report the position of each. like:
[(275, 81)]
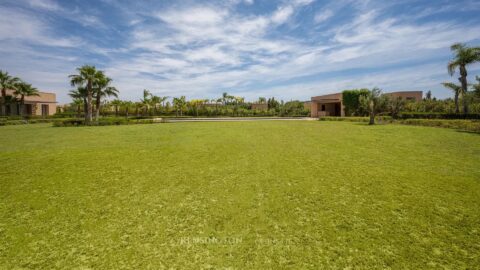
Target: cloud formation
[(288, 49)]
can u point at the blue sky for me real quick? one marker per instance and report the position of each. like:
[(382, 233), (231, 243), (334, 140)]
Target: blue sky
[(288, 49)]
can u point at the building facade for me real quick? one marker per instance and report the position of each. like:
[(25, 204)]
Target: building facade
[(332, 104), (44, 104)]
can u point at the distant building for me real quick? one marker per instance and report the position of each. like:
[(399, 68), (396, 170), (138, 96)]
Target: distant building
[(42, 105), (332, 104)]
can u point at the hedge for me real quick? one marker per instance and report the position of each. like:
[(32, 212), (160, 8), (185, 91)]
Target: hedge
[(8, 122), (461, 124), (102, 122), (466, 125), (355, 119), (432, 115)]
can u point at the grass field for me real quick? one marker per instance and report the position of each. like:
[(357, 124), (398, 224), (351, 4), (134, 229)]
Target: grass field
[(243, 195)]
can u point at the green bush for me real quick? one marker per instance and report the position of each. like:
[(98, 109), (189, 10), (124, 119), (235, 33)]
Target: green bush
[(436, 115), (102, 122), (461, 124), (16, 121), (351, 101), (379, 119), (467, 125)]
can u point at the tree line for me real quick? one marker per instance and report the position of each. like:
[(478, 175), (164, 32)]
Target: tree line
[(373, 102)]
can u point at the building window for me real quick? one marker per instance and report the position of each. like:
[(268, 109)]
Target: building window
[(410, 98), (323, 107)]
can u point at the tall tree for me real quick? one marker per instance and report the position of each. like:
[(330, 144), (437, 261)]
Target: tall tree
[(476, 87), (146, 100), (373, 102), (23, 90), (225, 97), (179, 105), (116, 103), (457, 90), (80, 93), (464, 56), (88, 76), (103, 89), (6, 82), (78, 103)]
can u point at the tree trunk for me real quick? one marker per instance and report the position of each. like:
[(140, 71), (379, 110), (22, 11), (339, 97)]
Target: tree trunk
[(463, 80), (97, 112), (116, 110), (372, 119), (457, 108), (3, 105), (372, 113), (22, 106), (78, 111), (85, 108), (88, 115)]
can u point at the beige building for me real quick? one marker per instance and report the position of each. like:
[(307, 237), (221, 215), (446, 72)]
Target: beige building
[(42, 105), (332, 104)]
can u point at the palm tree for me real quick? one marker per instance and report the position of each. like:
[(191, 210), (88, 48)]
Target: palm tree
[(179, 104), (225, 97), (457, 90), (116, 103), (476, 87), (103, 89), (6, 82), (464, 56), (262, 100), (373, 102), (24, 90), (146, 99), (154, 101), (162, 101), (127, 105), (88, 76), (80, 93), (78, 102)]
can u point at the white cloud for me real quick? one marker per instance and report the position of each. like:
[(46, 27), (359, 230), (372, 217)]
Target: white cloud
[(19, 25), (282, 14), (44, 4), (323, 16), (200, 51)]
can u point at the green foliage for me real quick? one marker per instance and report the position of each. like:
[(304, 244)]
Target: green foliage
[(466, 125), (435, 115), (374, 102), (351, 101), (379, 119), (102, 122)]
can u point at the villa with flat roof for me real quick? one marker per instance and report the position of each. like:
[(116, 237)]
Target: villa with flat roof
[(332, 104), (42, 105)]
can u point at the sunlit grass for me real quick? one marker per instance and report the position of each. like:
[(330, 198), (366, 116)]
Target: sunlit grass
[(240, 195)]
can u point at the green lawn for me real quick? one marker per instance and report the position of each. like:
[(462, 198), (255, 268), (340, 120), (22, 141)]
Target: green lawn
[(239, 195)]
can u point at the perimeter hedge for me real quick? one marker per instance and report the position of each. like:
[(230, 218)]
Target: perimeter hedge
[(102, 122), (430, 115)]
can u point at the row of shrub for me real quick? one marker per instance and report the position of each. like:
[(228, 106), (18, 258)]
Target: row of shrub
[(436, 115), (9, 122), (466, 125), (461, 124), (378, 119), (102, 122)]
